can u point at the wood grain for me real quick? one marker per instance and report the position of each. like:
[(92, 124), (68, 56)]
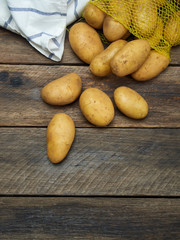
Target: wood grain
[(21, 104), (102, 161), (16, 50), (89, 218)]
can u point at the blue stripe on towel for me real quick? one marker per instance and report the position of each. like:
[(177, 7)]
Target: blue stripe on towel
[(43, 33), (8, 22), (51, 55), (56, 42), (75, 9), (38, 35), (36, 11), (68, 2)]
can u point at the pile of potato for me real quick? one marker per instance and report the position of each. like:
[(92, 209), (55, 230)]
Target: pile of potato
[(95, 105), (135, 58)]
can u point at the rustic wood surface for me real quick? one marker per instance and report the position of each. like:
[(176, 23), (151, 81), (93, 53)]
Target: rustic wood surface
[(118, 182), (21, 85), (89, 218), (121, 162)]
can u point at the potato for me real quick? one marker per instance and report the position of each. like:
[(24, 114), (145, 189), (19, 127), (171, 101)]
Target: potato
[(158, 33), (121, 11), (130, 103), (100, 65), (62, 91), (126, 35), (130, 57), (117, 25), (153, 66), (112, 29), (96, 107), (85, 41), (172, 30), (144, 17), (94, 16), (60, 136)]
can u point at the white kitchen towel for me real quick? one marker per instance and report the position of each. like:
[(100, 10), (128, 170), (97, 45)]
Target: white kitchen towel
[(42, 22)]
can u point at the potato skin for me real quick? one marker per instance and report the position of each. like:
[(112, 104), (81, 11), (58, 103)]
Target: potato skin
[(130, 57), (130, 103), (153, 66), (62, 91), (100, 65), (158, 33), (126, 35), (121, 11), (172, 29), (85, 41), (60, 136), (94, 16), (145, 17), (112, 29), (97, 107)]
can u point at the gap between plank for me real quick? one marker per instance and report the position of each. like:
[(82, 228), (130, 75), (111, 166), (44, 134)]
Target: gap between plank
[(90, 196)]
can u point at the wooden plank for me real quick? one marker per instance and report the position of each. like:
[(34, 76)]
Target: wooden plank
[(89, 218), (16, 50), (175, 55), (21, 104), (102, 161)]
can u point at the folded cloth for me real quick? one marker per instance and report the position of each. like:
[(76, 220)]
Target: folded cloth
[(42, 22)]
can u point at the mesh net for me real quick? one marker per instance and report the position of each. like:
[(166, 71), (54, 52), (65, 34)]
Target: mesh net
[(158, 21)]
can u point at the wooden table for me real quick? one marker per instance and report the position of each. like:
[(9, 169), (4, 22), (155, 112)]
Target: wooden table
[(118, 182)]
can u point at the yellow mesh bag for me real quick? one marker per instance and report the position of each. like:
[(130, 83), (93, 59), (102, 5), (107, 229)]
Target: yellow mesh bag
[(158, 21)]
